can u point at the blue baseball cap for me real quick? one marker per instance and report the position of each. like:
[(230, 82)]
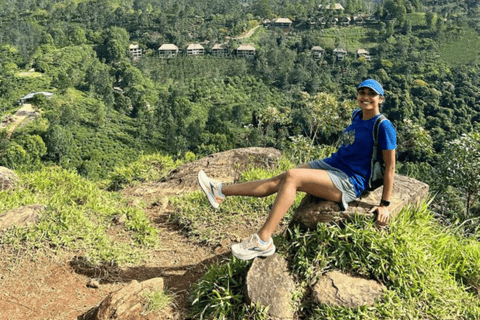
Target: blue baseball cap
[(372, 84)]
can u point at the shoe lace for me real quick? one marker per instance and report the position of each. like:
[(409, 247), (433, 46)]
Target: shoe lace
[(248, 243)]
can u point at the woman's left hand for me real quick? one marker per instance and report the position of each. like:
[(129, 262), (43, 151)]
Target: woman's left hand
[(383, 216)]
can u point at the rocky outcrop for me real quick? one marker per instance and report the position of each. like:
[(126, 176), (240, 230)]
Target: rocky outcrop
[(224, 166), (8, 179), (22, 216), (270, 284), (312, 210), (126, 303), (339, 289)]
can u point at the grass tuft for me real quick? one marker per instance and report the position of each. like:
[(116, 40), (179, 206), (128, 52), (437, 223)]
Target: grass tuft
[(157, 300)]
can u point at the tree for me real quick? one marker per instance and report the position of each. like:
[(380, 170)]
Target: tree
[(416, 142), (320, 115), (15, 156), (59, 142), (76, 35), (430, 19), (460, 165), (116, 41)]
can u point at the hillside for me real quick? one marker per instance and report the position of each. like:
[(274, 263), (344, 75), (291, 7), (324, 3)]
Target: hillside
[(47, 268), (117, 125)]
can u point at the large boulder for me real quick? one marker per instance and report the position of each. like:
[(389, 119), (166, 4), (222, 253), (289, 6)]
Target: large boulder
[(224, 166), (8, 179), (126, 303), (270, 284), (339, 289), (313, 210), (22, 216)]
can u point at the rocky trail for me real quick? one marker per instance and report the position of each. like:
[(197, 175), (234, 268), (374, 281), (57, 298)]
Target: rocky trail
[(44, 285)]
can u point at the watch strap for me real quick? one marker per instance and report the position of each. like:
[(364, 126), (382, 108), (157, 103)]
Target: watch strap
[(384, 203)]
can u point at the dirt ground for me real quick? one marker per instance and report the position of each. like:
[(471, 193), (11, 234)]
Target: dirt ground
[(46, 286)]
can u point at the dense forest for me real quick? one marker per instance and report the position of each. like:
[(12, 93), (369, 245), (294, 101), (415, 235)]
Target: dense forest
[(107, 109)]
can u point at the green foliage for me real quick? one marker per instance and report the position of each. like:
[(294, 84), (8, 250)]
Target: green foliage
[(415, 142), (210, 104), (460, 167), (77, 216), (66, 66), (321, 115), (220, 293), (410, 261)]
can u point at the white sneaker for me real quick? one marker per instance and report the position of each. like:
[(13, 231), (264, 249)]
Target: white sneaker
[(252, 248), (211, 189)]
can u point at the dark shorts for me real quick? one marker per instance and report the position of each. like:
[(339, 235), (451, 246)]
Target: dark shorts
[(339, 179)]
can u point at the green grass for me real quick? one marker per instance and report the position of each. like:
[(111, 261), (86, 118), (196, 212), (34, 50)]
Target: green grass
[(429, 271), (219, 294), (77, 217), (351, 38), (417, 19), (146, 168), (461, 47), (157, 300)]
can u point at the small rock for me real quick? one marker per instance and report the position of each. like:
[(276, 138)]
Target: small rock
[(8, 179), (20, 216), (339, 289), (127, 302), (94, 284)]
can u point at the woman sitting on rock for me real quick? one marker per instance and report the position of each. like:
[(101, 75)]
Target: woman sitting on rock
[(342, 177)]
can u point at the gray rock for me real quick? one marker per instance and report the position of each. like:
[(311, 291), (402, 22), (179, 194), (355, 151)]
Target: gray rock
[(270, 284), (8, 179), (126, 303), (22, 216), (339, 289), (94, 284), (313, 210)]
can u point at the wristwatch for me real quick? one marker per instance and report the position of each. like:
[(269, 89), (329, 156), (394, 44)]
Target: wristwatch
[(384, 203)]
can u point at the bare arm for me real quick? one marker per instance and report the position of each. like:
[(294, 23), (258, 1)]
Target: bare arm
[(389, 158)]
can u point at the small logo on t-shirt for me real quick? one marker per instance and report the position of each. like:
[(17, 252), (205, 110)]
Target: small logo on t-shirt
[(348, 138)]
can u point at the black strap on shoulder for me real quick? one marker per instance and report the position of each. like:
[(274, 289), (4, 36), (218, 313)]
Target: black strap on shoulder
[(375, 153), (376, 128), (355, 113)]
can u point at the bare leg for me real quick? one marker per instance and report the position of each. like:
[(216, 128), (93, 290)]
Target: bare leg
[(258, 188), (312, 181)]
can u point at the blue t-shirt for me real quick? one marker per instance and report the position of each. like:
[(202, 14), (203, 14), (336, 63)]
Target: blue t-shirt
[(355, 154)]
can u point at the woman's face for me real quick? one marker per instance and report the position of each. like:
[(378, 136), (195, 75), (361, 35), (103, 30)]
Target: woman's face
[(369, 100)]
